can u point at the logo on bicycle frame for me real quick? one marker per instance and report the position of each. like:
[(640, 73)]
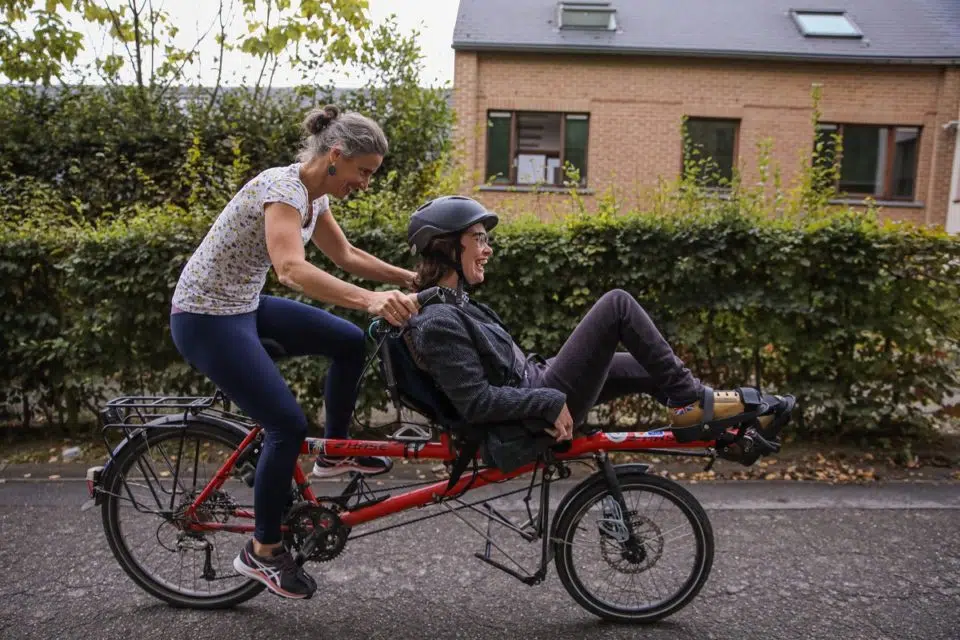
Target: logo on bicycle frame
[(617, 436)]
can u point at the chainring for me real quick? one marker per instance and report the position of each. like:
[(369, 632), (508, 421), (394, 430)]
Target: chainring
[(306, 520)]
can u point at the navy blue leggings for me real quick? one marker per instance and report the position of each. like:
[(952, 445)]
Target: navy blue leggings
[(227, 350)]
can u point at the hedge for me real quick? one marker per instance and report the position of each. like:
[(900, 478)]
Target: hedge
[(858, 318)]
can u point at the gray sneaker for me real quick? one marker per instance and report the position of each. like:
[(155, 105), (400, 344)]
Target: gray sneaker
[(280, 572), (329, 466)]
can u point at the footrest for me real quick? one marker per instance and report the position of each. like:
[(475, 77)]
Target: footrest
[(755, 442)]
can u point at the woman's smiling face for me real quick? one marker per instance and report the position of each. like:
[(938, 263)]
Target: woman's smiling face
[(476, 252)]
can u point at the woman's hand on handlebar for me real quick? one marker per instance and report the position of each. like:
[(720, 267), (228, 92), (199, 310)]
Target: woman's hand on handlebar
[(395, 307), (563, 425)]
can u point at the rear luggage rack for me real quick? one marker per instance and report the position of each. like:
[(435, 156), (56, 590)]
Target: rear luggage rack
[(127, 413), (139, 410)]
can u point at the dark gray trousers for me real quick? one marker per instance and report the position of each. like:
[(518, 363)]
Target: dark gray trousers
[(590, 370)]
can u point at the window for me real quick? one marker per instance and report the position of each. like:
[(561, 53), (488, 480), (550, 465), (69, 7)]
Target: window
[(532, 147), (876, 161), (826, 24), (713, 142), (587, 14)]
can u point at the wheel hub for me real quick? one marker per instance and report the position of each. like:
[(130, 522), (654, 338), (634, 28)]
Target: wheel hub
[(637, 555)]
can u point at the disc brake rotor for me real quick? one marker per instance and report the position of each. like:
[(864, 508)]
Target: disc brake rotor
[(624, 560)]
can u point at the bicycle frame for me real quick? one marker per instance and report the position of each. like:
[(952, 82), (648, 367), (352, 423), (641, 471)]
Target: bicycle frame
[(657, 441)]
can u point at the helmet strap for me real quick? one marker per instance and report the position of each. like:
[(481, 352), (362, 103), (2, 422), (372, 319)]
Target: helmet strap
[(461, 279), (455, 264)]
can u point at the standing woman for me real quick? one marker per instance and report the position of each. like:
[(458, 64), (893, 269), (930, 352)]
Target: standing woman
[(219, 316)]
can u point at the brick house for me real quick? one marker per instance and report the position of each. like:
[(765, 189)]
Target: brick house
[(604, 86)]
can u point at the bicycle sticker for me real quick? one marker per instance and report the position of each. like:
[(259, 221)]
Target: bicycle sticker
[(652, 434), (317, 446), (617, 436)]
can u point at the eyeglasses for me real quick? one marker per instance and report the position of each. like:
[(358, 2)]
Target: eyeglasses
[(482, 239)]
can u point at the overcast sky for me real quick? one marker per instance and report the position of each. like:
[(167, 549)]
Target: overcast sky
[(433, 18)]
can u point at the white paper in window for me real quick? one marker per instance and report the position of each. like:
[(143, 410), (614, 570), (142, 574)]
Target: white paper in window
[(531, 168)]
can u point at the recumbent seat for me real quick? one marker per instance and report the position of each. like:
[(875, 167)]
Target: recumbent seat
[(415, 387), (505, 445)]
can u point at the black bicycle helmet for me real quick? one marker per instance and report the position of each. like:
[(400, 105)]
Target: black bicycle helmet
[(446, 215)]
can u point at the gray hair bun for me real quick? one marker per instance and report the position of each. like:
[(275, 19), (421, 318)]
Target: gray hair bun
[(319, 119)]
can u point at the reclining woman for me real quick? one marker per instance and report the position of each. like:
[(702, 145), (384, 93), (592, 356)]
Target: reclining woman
[(474, 361)]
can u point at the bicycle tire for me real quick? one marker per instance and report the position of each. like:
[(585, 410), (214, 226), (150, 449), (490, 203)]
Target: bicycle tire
[(568, 522), (112, 525)]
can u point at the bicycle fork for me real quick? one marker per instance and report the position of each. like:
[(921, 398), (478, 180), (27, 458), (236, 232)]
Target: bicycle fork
[(616, 522)]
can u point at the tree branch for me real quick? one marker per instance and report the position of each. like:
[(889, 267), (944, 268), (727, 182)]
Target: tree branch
[(223, 41), (119, 27), (153, 37), (136, 40), (183, 62), (263, 67), (276, 63)]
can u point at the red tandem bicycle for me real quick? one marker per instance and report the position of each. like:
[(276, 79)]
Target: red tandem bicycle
[(628, 546)]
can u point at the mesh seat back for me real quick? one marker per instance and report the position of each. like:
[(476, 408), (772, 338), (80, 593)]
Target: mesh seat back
[(415, 386)]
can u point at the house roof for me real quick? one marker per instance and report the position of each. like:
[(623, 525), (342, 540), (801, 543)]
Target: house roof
[(894, 31)]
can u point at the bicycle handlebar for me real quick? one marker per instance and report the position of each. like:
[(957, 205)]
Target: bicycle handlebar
[(423, 297)]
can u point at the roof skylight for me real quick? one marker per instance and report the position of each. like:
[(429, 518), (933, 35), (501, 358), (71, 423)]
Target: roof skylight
[(826, 24), (587, 14)]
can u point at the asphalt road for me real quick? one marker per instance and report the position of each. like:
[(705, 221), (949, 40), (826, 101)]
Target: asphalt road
[(792, 561)]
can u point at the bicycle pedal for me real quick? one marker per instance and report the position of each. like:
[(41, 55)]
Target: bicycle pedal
[(248, 473)]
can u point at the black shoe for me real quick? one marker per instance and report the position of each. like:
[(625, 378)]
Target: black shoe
[(329, 466), (279, 572)]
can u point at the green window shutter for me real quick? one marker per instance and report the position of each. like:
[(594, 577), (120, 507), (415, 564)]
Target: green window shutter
[(498, 147), (861, 168), (575, 144)]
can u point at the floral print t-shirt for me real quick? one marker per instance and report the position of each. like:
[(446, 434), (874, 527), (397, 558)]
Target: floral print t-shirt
[(226, 273)]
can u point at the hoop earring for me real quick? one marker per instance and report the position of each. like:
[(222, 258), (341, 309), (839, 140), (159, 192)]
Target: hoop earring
[(331, 170)]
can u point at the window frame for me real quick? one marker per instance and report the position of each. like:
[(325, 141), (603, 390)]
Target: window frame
[(598, 7), (887, 187), (797, 13), (514, 147), (736, 145)]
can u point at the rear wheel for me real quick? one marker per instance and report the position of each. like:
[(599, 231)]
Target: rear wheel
[(156, 477), (644, 581)]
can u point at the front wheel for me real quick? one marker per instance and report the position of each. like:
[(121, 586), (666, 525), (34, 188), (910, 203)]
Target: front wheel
[(644, 580)]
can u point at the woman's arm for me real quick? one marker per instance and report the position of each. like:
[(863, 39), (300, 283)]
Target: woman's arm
[(330, 239), (451, 358), (285, 247)]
